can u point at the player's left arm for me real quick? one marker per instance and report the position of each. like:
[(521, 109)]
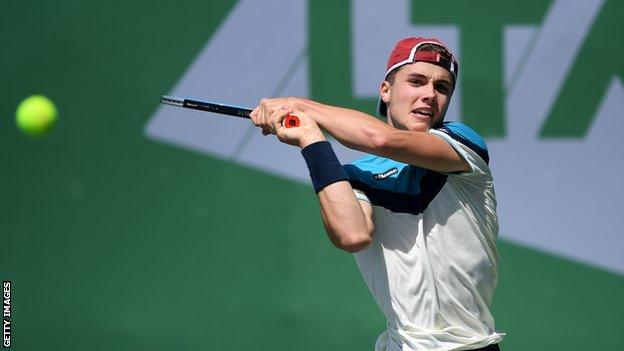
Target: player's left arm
[(348, 221), (360, 131)]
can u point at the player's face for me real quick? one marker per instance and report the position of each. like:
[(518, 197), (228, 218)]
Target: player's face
[(419, 96)]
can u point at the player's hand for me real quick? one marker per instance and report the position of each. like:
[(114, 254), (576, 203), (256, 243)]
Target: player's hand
[(306, 133), (270, 115), (261, 115)]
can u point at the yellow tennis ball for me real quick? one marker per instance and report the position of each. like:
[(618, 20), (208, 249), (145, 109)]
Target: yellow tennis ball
[(35, 115)]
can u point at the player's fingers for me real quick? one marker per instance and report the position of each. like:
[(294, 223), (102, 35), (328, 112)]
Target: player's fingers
[(277, 118), (273, 104), (261, 112), (270, 116), (257, 120), (283, 104), (267, 107), (255, 116), (254, 112), (262, 118)]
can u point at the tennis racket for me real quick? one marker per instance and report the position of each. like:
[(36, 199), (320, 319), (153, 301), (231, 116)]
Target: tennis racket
[(224, 109)]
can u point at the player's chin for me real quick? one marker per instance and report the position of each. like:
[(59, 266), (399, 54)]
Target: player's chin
[(420, 123)]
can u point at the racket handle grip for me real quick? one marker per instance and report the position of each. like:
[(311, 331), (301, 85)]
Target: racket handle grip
[(291, 121)]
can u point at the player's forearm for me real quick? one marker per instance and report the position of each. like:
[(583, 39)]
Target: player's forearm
[(363, 132), (344, 218), (352, 128), (421, 149)]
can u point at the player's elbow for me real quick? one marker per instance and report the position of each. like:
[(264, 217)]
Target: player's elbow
[(354, 242), (355, 247), (351, 233)]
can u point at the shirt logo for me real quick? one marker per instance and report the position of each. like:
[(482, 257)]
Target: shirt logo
[(386, 174)]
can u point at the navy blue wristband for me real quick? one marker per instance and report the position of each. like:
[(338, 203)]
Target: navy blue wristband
[(323, 165)]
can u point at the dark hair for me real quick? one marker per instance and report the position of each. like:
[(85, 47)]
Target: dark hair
[(425, 47)]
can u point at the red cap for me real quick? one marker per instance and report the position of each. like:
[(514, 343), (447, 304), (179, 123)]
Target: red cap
[(405, 52)]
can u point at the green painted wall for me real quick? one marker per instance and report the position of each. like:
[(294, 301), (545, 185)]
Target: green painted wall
[(116, 242)]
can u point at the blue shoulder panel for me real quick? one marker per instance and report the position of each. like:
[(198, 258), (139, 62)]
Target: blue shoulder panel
[(467, 136), (396, 186)]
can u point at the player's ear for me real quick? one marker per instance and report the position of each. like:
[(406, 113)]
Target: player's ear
[(384, 91)]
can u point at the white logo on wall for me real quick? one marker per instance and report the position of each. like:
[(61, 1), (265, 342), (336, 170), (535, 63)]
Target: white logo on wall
[(557, 195)]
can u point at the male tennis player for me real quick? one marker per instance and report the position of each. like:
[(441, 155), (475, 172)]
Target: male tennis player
[(419, 212)]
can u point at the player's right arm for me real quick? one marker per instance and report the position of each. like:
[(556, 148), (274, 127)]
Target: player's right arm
[(363, 132)]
